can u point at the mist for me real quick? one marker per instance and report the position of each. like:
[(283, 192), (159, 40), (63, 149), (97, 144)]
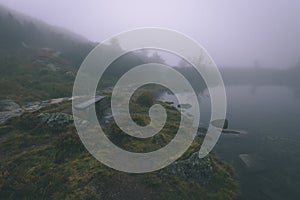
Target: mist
[(235, 33)]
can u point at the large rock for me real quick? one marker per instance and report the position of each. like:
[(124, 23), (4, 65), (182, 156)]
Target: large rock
[(56, 119), (4, 116), (9, 109), (8, 105), (194, 168)]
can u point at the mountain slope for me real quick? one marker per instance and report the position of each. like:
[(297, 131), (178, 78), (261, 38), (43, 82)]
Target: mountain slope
[(42, 157), (18, 30), (37, 61)]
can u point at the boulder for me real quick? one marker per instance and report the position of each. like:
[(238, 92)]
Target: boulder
[(60, 120), (9, 109), (56, 119), (8, 105), (199, 170)]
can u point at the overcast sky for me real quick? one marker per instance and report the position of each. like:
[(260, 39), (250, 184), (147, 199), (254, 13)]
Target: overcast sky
[(235, 32)]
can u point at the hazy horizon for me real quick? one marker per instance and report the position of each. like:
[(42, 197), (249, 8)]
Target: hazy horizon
[(235, 33)]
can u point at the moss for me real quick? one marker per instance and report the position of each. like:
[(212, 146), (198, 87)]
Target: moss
[(145, 99), (42, 165), (5, 130)]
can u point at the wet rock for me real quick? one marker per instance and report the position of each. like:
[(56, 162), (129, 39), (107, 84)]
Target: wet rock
[(253, 163), (193, 168), (234, 132), (184, 106)]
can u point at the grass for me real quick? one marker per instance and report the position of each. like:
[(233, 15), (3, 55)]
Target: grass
[(46, 165)]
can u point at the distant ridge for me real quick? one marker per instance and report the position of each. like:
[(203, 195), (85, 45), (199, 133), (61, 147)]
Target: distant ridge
[(19, 30)]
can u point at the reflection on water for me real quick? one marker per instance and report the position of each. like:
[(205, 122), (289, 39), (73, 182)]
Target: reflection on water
[(267, 159)]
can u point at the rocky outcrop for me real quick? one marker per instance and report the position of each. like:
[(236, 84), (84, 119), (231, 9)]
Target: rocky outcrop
[(8, 105), (9, 109), (199, 170), (56, 119)]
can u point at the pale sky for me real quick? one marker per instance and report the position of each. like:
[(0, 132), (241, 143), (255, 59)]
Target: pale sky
[(235, 32)]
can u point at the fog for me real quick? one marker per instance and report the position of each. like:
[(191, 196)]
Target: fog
[(236, 33)]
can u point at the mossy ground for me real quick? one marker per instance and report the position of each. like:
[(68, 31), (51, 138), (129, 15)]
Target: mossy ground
[(39, 163)]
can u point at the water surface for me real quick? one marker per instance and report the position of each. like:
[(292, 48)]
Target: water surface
[(267, 158)]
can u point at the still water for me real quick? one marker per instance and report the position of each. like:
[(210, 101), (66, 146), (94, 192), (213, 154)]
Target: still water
[(266, 159)]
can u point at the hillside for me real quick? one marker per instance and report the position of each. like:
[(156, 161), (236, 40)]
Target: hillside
[(42, 157), (37, 61), (19, 31)]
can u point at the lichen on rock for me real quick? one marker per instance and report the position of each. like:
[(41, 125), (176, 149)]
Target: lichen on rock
[(199, 170), (56, 119)]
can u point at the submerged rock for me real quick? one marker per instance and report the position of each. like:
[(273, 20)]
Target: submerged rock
[(253, 163), (234, 132), (194, 168)]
